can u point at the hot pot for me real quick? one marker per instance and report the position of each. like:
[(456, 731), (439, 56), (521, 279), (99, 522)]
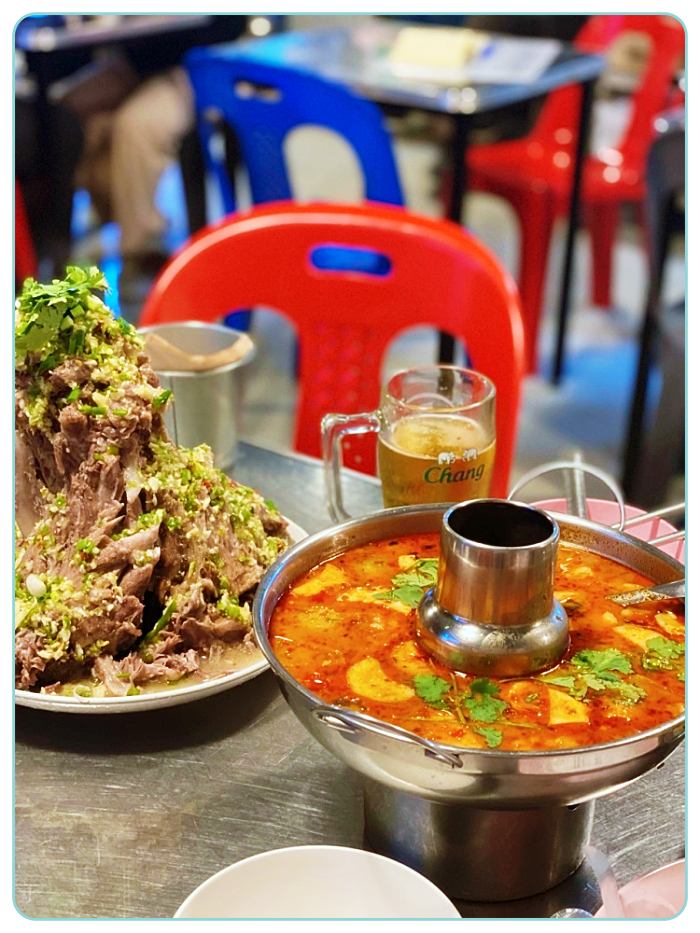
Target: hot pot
[(455, 813)]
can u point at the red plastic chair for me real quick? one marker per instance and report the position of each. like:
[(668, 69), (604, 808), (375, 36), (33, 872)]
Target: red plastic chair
[(417, 271), (535, 173), (25, 255)]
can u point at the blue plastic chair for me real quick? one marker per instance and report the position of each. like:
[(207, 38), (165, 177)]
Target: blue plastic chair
[(263, 103)]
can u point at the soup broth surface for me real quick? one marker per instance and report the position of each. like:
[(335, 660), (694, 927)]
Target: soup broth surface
[(346, 632)]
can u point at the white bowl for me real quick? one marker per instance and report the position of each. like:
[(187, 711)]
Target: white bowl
[(317, 881)]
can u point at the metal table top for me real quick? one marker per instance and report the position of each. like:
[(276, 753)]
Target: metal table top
[(357, 56), (124, 816), (104, 30)]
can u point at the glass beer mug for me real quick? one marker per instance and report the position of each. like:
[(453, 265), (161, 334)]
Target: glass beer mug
[(436, 438)]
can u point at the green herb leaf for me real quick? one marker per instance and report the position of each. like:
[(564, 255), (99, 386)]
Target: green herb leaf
[(493, 736), (432, 689), (600, 662), (409, 586), (409, 595), (666, 648), (423, 573), (483, 704), (568, 683), (73, 395), (629, 693)]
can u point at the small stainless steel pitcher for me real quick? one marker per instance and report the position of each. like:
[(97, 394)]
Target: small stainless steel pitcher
[(206, 404)]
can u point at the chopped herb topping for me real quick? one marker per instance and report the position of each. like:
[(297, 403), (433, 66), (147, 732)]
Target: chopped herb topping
[(161, 623), (162, 398)]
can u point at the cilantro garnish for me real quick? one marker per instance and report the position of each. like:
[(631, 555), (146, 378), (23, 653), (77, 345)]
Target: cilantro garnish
[(483, 704), (569, 683), (493, 736), (432, 689), (410, 585), (603, 661), (661, 653), (598, 670), (47, 315)]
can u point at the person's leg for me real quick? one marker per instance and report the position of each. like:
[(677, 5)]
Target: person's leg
[(146, 136)]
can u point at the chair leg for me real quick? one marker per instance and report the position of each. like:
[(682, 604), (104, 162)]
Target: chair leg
[(536, 218), (602, 225), (193, 181)]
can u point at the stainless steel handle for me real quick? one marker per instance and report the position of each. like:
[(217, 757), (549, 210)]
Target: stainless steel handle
[(667, 539), (657, 513), (357, 723), (578, 467), (575, 484)]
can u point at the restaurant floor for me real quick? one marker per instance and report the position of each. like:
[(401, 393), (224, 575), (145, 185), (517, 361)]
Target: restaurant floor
[(587, 411)]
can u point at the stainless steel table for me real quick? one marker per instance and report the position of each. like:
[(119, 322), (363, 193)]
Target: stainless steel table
[(124, 815), (357, 56)]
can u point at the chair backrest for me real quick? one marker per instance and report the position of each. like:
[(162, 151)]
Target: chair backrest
[(559, 115), (423, 272), (25, 255), (667, 43), (263, 103)]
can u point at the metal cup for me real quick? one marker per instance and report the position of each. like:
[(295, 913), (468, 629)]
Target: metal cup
[(206, 404)]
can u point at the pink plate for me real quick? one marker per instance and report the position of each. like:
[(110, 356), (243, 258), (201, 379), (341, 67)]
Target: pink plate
[(659, 894), (607, 513)]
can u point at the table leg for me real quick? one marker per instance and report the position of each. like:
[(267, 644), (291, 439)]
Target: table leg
[(574, 211), (647, 346), (458, 188)]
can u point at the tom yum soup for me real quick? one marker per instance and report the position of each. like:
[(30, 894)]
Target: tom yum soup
[(346, 632)]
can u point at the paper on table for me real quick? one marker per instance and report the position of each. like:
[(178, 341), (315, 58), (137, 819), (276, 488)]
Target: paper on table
[(435, 48), (462, 56)]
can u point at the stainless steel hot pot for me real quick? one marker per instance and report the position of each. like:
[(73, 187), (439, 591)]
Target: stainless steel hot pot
[(455, 813)]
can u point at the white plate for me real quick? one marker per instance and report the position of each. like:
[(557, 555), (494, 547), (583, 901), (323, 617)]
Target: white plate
[(317, 881), (173, 696)]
